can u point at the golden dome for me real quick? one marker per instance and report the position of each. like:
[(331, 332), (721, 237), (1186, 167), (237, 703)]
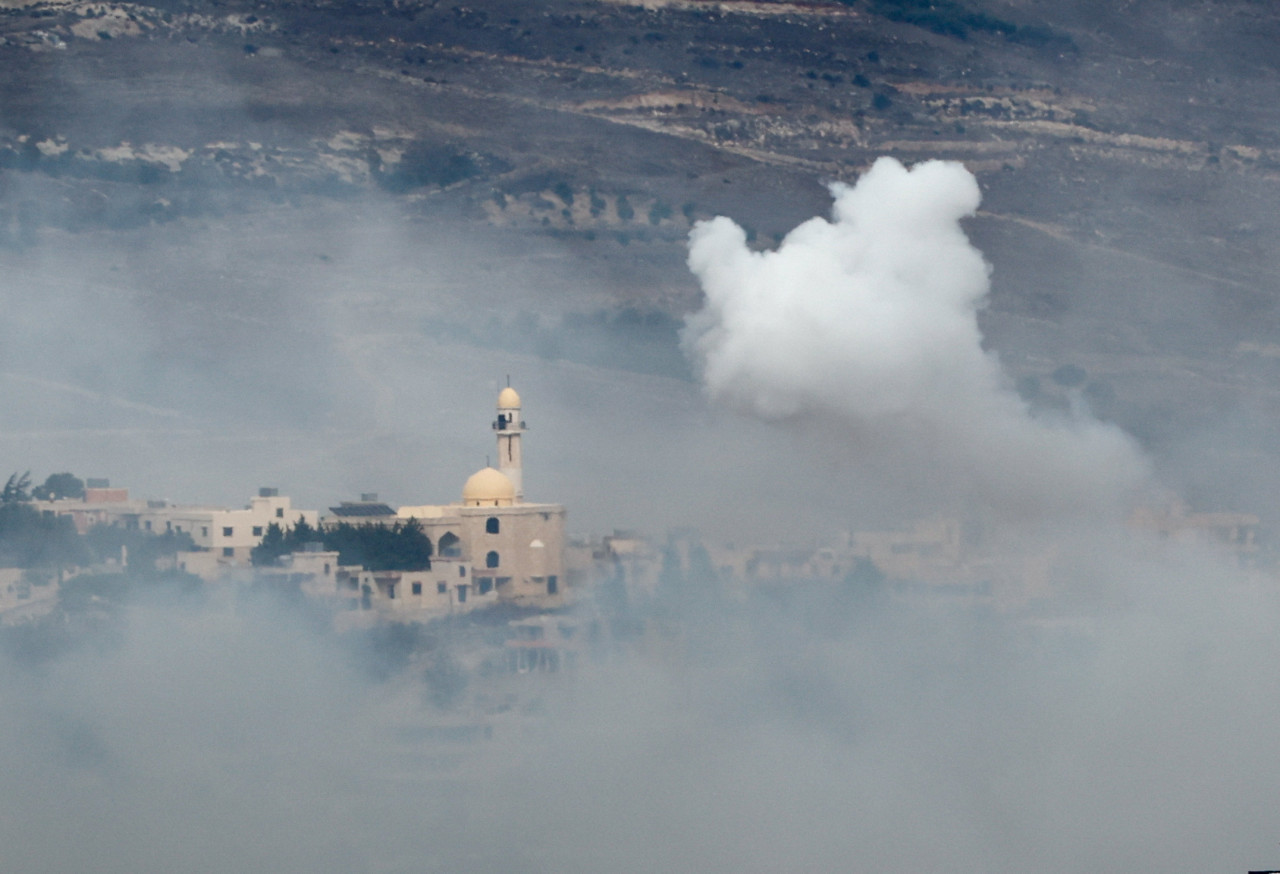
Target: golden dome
[(488, 488), (508, 399)]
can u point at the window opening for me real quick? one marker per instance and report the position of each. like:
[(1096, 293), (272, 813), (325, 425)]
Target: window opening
[(450, 546)]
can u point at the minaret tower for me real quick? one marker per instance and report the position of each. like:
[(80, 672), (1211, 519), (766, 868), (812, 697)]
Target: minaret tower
[(509, 427)]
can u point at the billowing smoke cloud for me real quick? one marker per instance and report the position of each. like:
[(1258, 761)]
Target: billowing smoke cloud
[(871, 320)]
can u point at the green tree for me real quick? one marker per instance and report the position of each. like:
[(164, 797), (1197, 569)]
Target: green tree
[(15, 489), (302, 533), (29, 538), (271, 547), (658, 212), (278, 541), (425, 164), (626, 211), (59, 485)]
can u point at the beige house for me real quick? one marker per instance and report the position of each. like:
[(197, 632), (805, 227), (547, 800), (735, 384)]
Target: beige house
[(229, 534)]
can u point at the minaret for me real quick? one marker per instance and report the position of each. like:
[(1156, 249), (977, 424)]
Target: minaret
[(509, 427)]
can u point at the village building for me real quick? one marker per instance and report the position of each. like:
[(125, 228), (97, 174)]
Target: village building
[(1237, 533), (230, 535), (490, 547), (222, 538), (101, 505)]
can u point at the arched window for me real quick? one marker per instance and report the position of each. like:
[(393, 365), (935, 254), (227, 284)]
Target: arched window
[(450, 546), (491, 560), (491, 526)]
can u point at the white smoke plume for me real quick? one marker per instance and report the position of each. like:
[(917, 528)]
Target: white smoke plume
[(871, 320)]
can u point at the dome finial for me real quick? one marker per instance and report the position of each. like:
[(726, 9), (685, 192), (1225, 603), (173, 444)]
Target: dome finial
[(508, 399)]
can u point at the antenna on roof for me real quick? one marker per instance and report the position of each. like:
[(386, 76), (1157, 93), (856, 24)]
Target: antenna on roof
[(508, 380), (486, 461)]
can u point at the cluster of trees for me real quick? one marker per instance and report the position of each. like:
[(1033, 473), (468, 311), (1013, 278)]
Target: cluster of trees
[(278, 541), (45, 541), (400, 547), (31, 539), (432, 164), (58, 486)]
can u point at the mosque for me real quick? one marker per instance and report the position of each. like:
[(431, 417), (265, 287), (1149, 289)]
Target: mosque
[(490, 547)]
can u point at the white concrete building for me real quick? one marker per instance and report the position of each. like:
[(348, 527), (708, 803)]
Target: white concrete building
[(227, 536), (230, 534)]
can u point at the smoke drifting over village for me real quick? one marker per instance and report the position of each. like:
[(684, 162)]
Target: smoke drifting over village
[(799, 732), (897, 535), (808, 729)]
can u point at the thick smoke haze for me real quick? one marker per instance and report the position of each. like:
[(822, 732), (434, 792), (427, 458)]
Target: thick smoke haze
[(870, 321), (335, 353), (820, 730), (803, 729), (337, 340)]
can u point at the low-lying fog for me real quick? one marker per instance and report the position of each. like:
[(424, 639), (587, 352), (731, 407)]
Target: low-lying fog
[(803, 731)]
